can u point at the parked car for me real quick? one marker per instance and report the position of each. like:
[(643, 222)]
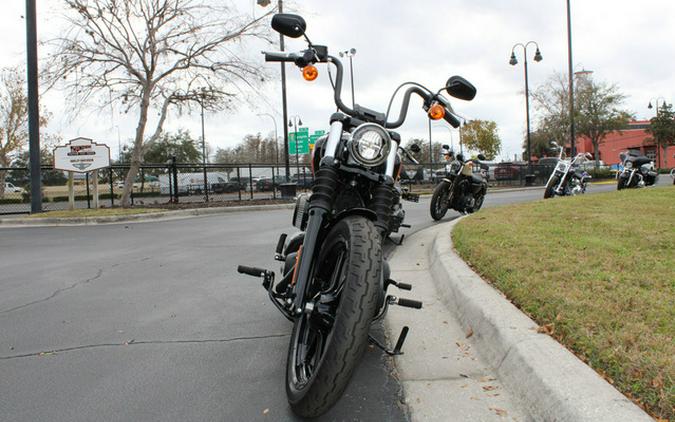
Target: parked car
[(590, 164), (304, 181), (266, 184), (507, 171), (10, 188)]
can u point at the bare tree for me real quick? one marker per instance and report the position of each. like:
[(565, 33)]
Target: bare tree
[(597, 110), (599, 113), (157, 54), (13, 118)]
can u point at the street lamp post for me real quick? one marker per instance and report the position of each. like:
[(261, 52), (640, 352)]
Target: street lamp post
[(294, 122), (350, 53), (452, 145), (513, 61), (276, 137), (280, 6), (462, 124)]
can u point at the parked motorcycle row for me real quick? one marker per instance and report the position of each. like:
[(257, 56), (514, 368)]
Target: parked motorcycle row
[(334, 279)]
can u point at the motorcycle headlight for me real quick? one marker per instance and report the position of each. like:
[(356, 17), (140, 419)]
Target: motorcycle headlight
[(370, 144), (629, 164)]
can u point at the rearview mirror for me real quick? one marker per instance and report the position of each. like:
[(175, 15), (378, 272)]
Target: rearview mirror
[(445, 146), (460, 88), (415, 148), (290, 25), (554, 144), (481, 157)]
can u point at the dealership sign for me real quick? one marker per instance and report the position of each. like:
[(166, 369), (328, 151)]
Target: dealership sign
[(81, 155)]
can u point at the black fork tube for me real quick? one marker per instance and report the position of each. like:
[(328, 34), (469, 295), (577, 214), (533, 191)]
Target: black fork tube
[(321, 202)]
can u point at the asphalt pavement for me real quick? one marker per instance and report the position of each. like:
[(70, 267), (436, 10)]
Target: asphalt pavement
[(150, 321)]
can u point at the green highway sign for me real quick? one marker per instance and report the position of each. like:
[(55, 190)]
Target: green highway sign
[(303, 148), (305, 142), (302, 145), (316, 135)]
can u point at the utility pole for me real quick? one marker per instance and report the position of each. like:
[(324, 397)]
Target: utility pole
[(33, 108), (571, 82)]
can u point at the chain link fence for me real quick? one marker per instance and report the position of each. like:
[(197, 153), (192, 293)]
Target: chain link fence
[(191, 183)]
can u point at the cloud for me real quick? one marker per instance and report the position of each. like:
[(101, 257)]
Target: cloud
[(396, 40)]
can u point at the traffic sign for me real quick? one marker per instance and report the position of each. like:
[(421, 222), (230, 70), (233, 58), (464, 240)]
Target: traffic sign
[(301, 145), (316, 135)]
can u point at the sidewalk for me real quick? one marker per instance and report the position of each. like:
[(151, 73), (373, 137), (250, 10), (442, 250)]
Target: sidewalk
[(443, 377), (472, 355)]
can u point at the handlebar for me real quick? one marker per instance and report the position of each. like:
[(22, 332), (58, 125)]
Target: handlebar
[(309, 56)]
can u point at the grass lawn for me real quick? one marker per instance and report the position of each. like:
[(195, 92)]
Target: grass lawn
[(598, 273), (76, 213)]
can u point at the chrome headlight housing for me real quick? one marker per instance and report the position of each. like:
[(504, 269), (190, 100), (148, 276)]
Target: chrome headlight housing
[(628, 165), (561, 166), (370, 144)]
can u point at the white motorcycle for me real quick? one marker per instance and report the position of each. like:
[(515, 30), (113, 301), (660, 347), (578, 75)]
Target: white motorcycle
[(567, 179)]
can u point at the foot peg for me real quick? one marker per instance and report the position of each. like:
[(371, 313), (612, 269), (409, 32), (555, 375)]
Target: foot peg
[(409, 303), (399, 343), (267, 276), (402, 286)]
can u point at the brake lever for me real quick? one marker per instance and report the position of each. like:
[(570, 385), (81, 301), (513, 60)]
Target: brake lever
[(407, 154)]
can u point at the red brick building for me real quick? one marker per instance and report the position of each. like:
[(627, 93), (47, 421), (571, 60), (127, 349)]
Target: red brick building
[(634, 137)]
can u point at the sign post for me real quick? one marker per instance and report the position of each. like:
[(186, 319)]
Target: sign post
[(81, 155)]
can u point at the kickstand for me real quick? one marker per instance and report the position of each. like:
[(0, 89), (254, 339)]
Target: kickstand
[(397, 348), (400, 241)]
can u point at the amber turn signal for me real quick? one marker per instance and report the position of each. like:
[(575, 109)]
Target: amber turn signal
[(310, 73), (436, 111)]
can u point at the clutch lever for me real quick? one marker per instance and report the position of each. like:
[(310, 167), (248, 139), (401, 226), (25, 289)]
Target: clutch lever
[(407, 154)]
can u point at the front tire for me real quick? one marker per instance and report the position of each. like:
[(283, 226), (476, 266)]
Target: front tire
[(478, 203), (439, 201), (621, 183), (318, 369), (550, 187)]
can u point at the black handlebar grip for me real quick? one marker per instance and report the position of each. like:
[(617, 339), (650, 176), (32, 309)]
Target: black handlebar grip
[(450, 118), (280, 244), (404, 286), (277, 57), (409, 303), (253, 271)]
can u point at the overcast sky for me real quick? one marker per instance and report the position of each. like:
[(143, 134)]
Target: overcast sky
[(623, 42)]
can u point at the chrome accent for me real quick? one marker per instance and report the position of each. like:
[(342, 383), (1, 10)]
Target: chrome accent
[(334, 136), (391, 159)]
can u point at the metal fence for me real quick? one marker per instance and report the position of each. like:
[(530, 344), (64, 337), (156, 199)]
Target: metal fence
[(180, 183)]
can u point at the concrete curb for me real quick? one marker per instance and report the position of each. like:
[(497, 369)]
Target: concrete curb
[(134, 218), (551, 382)]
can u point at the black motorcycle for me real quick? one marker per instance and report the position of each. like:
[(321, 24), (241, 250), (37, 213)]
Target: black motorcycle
[(334, 279), (638, 171), (461, 189)]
